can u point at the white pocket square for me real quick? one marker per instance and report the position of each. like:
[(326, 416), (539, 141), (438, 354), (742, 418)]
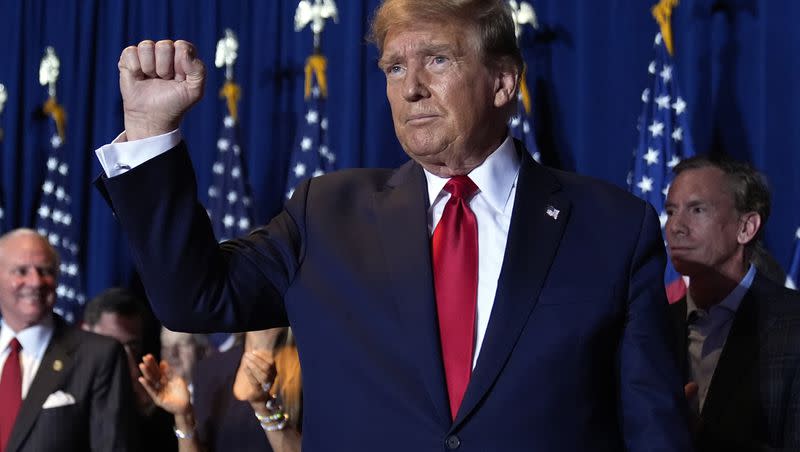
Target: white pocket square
[(57, 399)]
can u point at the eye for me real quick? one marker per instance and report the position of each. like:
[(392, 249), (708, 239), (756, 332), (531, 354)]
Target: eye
[(393, 69), (698, 209), (439, 59)]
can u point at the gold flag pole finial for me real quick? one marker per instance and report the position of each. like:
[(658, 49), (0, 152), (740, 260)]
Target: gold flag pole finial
[(315, 13), (523, 13), (662, 12), (227, 52), (49, 70)]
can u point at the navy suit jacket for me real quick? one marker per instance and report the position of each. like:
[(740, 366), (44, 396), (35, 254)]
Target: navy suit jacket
[(93, 370), (224, 422), (753, 402), (576, 355)]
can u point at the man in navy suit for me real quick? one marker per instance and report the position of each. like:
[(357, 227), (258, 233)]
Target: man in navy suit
[(738, 332), (470, 299)]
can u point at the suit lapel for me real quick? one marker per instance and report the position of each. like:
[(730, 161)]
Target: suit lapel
[(533, 239), (401, 214), (680, 329), (735, 362), (55, 365)]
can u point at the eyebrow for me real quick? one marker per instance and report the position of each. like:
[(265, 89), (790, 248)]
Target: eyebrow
[(425, 49)]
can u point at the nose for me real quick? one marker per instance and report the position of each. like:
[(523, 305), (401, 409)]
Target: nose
[(415, 85), (675, 225)]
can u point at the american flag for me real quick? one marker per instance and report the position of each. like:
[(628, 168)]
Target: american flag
[(55, 221), (521, 124), (311, 155), (793, 276), (664, 140), (229, 200)]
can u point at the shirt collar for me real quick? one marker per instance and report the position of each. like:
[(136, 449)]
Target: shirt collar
[(732, 301), (33, 339), (495, 177)]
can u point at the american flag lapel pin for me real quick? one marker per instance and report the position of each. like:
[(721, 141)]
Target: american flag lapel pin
[(552, 212)]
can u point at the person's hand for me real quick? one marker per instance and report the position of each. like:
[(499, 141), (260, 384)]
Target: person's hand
[(159, 82), (256, 376), (167, 391)]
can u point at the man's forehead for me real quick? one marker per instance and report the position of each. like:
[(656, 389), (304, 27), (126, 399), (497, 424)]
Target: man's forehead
[(423, 38)]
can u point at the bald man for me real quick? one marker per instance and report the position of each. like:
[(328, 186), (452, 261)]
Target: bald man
[(62, 388)]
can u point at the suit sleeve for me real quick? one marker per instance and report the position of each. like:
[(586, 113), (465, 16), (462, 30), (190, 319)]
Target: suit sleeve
[(193, 283), (653, 408), (112, 425)]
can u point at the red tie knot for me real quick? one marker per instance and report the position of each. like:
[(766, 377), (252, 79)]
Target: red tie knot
[(461, 187), (14, 345)]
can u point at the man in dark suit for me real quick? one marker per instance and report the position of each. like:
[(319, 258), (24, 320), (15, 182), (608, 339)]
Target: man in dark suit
[(469, 300), (61, 388), (737, 331)]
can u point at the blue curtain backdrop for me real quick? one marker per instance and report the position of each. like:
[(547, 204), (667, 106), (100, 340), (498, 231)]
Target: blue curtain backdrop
[(738, 62)]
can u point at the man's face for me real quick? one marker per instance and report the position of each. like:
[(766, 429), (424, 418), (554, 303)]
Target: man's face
[(703, 226), (447, 105), (125, 329), (27, 280)]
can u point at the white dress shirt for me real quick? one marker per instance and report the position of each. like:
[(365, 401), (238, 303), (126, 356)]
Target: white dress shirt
[(708, 332), (496, 179), (34, 341)]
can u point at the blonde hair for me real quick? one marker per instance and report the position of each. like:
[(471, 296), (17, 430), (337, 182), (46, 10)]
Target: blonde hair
[(289, 381), (491, 19)]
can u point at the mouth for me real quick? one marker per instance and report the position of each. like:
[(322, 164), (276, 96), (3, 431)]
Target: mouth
[(421, 119)]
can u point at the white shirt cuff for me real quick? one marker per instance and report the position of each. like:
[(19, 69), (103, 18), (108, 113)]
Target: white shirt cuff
[(122, 155)]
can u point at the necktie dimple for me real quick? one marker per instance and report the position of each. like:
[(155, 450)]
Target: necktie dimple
[(455, 270), (10, 392)]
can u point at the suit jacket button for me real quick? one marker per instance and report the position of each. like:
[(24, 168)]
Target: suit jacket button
[(452, 442)]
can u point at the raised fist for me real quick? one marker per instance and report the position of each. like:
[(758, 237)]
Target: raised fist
[(159, 82)]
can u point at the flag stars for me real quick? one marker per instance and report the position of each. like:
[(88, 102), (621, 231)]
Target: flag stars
[(312, 117), (52, 163), (515, 121), (318, 172), (44, 212), (236, 172), (244, 224), (218, 168), (47, 187), (651, 157), (228, 221), (228, 121), (212, 192), (223, 144), (679, 106), (651, 68), (646, 95), (645, 185), (665, 191), (662, 102), (797, 234), (232, 197), (324, 124), (55, 141), (63, 169), (656, 129), (305, 144), (60, 194), (673, 162), (677, 134), (299, 170), (666, 73)]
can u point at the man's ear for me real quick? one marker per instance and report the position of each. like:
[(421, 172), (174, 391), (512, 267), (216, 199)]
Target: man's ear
[(750, 224), (506, 85)]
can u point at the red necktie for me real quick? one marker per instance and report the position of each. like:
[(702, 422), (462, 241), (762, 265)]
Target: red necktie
[(455, 274), (10, 392)]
